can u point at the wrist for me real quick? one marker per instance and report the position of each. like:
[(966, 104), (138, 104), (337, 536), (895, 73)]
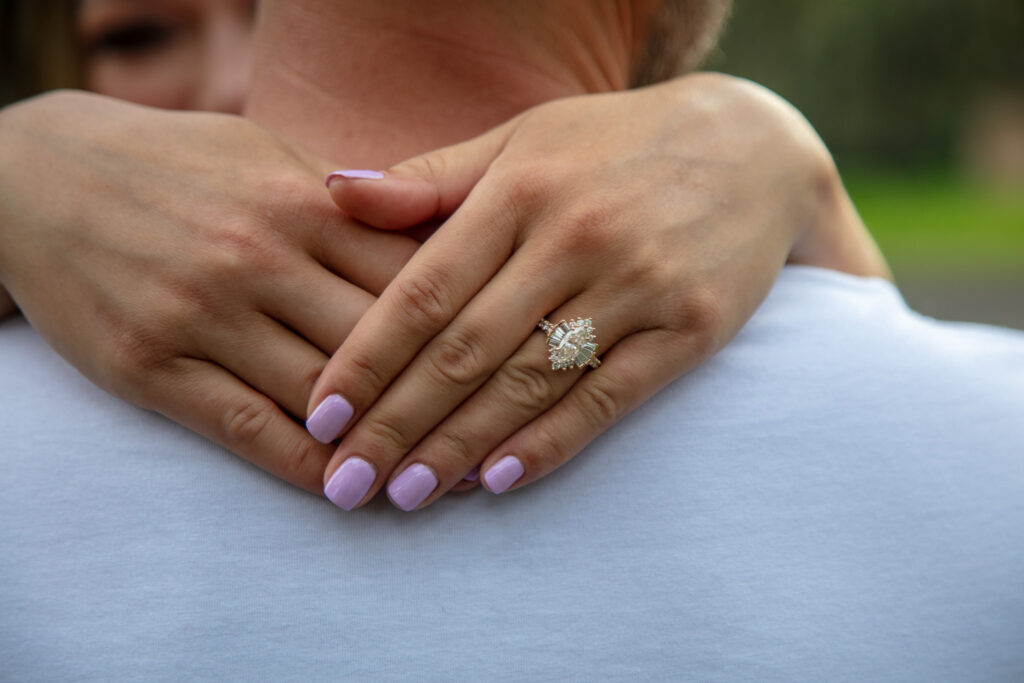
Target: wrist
[(833, 235)]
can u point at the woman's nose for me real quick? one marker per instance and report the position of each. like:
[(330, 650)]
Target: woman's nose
[(227, 55)]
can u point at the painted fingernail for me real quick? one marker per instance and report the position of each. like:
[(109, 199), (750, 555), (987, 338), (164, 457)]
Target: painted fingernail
[(329, 418), (410, 488), (349, 483), (354, 174), (473, 474), (503, 474)]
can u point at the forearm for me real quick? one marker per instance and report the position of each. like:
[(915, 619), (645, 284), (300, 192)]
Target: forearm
[(836, 237), (799, 182)]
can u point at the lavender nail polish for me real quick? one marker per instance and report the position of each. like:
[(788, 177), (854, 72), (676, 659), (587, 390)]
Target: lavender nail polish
[(350, 482), (329, 418), (503, 474), (354, 174), (473, 474), (412, 487)]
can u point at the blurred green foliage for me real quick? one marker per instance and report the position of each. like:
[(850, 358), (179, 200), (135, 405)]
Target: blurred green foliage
[(922, 105), (884, 81), (940, 222)]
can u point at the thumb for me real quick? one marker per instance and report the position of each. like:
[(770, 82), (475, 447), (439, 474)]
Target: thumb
[(417, 190)]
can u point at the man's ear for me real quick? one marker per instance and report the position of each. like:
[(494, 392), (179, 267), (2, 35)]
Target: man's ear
[(425, 188)]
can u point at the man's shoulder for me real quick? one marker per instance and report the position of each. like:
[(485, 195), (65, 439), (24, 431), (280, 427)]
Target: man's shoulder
[(834, 486), (836, 321), (844, 361)]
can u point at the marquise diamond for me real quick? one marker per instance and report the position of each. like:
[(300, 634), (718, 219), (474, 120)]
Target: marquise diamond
[(571, 344)]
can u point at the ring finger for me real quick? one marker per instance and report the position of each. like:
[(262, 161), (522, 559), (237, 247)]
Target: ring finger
[(270, 358), (520, 389), (441, 376)]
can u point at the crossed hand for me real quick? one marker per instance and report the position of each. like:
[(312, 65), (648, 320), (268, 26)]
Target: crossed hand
[(193, 264)]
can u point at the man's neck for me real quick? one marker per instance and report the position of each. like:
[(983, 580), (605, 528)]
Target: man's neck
[(369, 83)]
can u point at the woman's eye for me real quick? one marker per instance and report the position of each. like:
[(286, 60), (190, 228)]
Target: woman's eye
[(134, 38)]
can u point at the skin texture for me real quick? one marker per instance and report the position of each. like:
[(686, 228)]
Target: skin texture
[(374, 83), (446, 373), (186, 263), (172, 54), (505, 65), (218, 299)]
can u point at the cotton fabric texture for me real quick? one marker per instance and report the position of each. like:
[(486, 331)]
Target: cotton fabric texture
[(838, 495)]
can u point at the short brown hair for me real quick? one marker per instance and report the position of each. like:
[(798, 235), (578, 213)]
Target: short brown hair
[(679, 36), (37, 47)]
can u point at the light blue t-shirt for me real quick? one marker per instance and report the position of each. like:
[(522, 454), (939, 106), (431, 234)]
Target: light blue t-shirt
[(837, 496)]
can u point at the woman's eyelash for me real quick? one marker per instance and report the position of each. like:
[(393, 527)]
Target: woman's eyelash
[(133, 38)]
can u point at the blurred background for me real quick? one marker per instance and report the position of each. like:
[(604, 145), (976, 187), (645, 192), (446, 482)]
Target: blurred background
[(920, 101), (922, 105)]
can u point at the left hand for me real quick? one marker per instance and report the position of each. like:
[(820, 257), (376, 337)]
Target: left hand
[(663, 214), (189, 263)]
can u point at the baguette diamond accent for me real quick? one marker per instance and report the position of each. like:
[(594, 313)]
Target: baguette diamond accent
[(571, 344)]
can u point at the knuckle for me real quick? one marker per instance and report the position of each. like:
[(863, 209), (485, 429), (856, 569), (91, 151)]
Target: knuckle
[(367, 374), (587, 228), (245, 246), (455, 446), (699, 315), (545, 445), (203, 290), (245, 423), (601, 402), (387, 436), (139, 345), (305, 465), (526, 387), (422, 300), (134, 348), (135, 354), (642, 273), (431, 166), (526, 186), (457, 358)]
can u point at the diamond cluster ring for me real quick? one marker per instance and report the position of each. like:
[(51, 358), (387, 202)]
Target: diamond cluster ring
[(570, 344)]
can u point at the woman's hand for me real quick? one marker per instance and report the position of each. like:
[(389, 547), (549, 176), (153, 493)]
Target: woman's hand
[(664, 215), (188, 263)]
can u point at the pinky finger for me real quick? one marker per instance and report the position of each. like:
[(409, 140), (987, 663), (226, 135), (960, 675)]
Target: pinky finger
[(630, 373), (209, 400)]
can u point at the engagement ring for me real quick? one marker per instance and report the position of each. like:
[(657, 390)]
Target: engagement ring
[(570, 344)]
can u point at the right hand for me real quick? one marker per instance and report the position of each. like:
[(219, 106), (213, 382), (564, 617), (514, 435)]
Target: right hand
[(665, 212), (188, 263)]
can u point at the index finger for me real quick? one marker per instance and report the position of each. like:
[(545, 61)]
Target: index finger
[(425, 296)]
